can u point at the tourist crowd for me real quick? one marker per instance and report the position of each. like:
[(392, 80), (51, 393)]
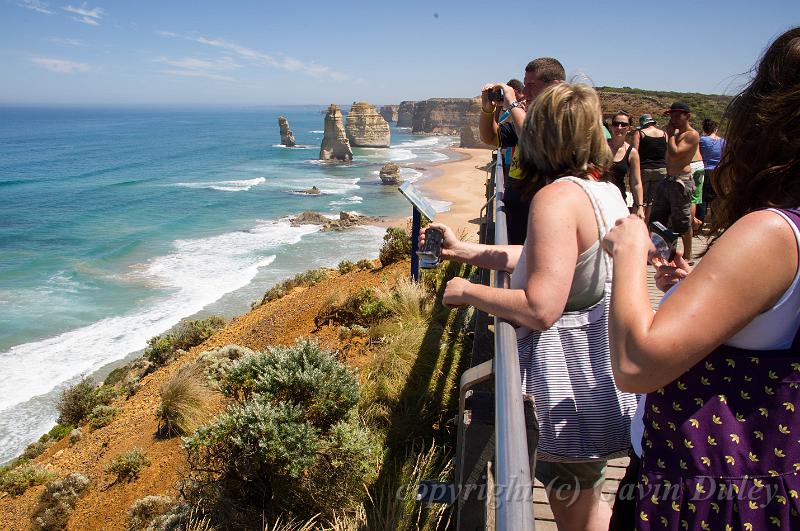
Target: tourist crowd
[(702, 394)]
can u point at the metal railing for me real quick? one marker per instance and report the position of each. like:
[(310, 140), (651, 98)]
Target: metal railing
[(513, 487)]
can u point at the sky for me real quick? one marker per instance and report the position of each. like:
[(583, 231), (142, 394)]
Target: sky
[(290, 52)]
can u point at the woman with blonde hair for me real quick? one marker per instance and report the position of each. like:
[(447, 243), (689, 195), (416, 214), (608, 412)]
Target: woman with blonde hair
[(558, 297), (720, 359)]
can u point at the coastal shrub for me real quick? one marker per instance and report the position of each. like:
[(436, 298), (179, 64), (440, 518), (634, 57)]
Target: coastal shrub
[(75, 436), (311, 277), (101, 416), (346, 266), (363, 307), (35, 449), (105, 394), (184, 403), (57, 502), (162, 513), (58, 432), (20, 478), (76, 402), (289, 442), (163, 348), (127, 466), (116, 376), (217, 361), (349, 332), (396, 246), (365, 265)]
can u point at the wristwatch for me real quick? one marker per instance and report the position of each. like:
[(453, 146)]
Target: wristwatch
[(514, 105)]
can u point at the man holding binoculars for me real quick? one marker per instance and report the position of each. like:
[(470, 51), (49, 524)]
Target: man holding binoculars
[(502, 132)]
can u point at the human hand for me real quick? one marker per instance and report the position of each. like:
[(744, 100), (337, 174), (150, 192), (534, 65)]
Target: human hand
[(670, 129), (449, 242), (488, 87), (630, 234), (669, 274), (640, 212), (454, 292), (509, 96)]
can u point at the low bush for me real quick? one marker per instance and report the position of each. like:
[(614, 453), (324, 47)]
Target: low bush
[(308, 278), (160, 513), (349, 332), (162, 349), (290, 441), (75, 436), (184, 403), (35, 449), (217, 361), (57, 502), (364, 265), (20, 478), (76, 402), (128, 465), (116, 376), (101, 416), (364, 307), (345, 266), (58, 432), (396, 246)]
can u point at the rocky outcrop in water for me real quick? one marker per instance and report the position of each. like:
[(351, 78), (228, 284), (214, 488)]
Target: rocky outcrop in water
[(390, 174), (311, 191), (389, 113), (345, 221), (287, 138), (365, 127), (443, 116), (405, 113), (470, 134), (335, 145)]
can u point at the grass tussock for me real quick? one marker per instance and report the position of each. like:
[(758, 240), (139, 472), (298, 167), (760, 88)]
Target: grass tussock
[(184, 403)]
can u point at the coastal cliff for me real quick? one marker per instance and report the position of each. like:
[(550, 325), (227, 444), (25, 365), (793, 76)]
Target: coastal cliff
[(470, 135), (389, 113), (440, 115), (405, 113), (364, 127), (335, 145)]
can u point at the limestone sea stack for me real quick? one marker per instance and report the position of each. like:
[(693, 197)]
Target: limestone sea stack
[(470, 134), (335, 145), (365, 127), (405, 114), (390, 174), (287, 138)]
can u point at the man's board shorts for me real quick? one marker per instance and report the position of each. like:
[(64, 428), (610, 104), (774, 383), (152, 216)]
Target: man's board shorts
[(673, 200), (698, 176), (651, 178)]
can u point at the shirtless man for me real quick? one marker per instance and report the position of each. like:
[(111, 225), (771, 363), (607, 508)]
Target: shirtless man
[(674, 196)]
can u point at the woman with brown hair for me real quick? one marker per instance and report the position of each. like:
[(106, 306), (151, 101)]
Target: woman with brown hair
[(558, 297), (625, 162), (720, 359)]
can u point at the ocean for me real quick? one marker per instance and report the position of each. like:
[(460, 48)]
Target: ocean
[(116, 223)]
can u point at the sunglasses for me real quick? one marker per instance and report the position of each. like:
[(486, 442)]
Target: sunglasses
[(620, 124)]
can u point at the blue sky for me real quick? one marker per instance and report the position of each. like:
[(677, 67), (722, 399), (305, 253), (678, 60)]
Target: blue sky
[(258, 52)]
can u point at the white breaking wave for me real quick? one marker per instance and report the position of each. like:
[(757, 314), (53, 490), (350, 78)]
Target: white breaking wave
[(352, 200), (196, 273), (226, 186), (297, 146), (317, 132)]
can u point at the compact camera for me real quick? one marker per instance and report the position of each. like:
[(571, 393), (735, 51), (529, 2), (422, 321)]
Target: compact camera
[(431, 252), (664, 240), (496, 95)]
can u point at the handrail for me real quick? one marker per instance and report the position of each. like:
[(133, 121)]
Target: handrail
[(513, 487)]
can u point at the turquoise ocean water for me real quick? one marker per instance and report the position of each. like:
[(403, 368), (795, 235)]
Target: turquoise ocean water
[(115, 223)]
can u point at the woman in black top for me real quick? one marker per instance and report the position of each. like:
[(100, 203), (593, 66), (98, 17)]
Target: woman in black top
[(651, 142), (626, 162)]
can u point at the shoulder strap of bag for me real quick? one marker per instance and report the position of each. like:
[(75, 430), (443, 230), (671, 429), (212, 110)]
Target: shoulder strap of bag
[(598, 215)]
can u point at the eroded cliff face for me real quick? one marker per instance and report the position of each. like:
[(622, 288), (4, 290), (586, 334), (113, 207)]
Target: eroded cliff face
[(444, 116), (364, 127), (287, 137), (470, 134), (389, 113), (335, 145), (405, 113)]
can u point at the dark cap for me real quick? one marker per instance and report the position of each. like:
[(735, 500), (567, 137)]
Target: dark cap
[(645, 120), (678, 106)]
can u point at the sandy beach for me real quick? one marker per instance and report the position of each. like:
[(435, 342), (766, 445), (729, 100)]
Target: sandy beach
[(461, 182)]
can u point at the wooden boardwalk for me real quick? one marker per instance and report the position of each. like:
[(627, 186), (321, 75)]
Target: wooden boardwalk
[(616, 467)]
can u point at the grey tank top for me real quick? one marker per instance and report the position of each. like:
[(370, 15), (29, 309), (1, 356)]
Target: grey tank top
[(591, 269)]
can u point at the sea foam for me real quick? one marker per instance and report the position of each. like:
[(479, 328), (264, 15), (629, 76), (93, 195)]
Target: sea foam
[(226, 186)]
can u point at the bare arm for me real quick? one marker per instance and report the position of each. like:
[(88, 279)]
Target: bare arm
[(494, 257), (679, 145), (635, 182), (743, 274), (551, 254)]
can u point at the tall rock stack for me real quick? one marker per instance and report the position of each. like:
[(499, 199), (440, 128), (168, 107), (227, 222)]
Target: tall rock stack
[(470, 133), (365, 127), (335, 145), (405, 113), (287, 138), (389, 113)]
